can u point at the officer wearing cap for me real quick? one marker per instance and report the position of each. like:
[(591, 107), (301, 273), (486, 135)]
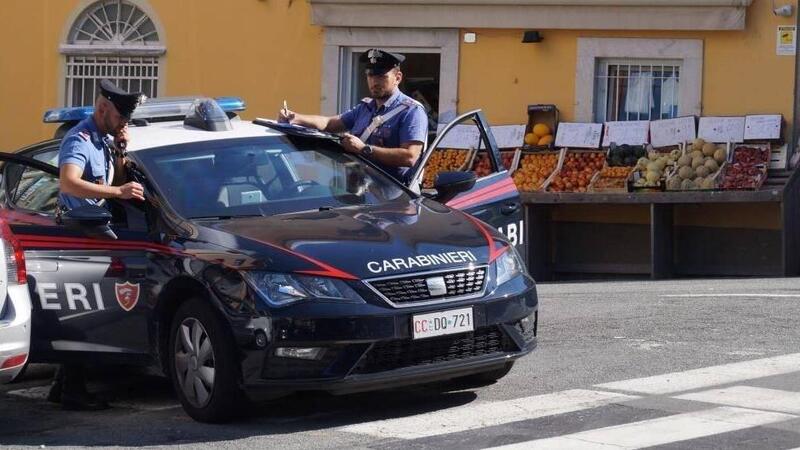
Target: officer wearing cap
[(89, 155), (389, 127), (91, 152)]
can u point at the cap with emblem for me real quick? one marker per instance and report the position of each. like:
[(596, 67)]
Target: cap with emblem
[(379, 61), (125, 102)]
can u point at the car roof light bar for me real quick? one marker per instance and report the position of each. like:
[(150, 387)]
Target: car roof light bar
[(153, 108)]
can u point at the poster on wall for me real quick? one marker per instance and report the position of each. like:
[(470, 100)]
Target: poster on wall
[(787, 40)]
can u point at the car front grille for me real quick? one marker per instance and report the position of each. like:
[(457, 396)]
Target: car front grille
[(412, 289), (391, 355)]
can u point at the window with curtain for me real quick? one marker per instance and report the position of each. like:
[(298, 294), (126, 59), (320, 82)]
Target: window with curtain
[(635, 89)]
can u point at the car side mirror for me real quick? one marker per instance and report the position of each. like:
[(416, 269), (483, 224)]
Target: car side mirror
[(450, 184), (90, 219)]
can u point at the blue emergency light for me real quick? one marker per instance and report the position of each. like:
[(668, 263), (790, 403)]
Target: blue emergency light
[(154, 108)]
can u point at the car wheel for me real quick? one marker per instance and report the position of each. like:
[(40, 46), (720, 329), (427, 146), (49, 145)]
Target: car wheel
[(203, 366)]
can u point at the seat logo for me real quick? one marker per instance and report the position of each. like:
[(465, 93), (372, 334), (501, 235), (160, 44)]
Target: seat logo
[(436, 286), (127, 294)]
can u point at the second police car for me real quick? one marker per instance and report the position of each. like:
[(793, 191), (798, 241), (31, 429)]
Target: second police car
[(267, 261)]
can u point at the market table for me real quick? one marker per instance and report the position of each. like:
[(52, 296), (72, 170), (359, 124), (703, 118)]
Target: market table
[(654, 243)]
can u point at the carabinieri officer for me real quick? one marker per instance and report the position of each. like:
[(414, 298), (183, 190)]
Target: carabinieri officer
[(389, 127), (89, 155), (92, 152)]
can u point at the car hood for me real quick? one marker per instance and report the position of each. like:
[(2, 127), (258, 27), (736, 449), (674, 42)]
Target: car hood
[(365, 241)]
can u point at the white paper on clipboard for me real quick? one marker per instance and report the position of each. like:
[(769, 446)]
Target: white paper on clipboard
[(579, 135)]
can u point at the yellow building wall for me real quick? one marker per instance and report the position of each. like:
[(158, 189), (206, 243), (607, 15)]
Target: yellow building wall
[(262, 50), (741, 72)]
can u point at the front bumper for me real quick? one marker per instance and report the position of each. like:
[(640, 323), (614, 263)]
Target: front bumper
[(374, 349)]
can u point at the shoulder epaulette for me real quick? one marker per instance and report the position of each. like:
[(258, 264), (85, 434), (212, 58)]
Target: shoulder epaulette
[(83, 134), (410, 102)]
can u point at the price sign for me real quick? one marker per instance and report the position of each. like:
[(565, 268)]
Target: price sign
[(579, 135), (469, 136), (764, 126), (721, 129), (668, 132), (632, 133)]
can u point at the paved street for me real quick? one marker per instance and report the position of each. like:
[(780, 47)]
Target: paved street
[(673, 364)]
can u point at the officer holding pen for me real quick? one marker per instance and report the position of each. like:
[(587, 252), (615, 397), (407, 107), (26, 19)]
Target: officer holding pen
[(389, 127)]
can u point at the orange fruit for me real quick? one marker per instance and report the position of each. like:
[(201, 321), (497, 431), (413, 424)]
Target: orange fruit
[(546, 140), (531, 139), (541, 130)]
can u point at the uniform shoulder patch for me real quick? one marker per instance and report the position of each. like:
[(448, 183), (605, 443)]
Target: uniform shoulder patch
[(410, 102)]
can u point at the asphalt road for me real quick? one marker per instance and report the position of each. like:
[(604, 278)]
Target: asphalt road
[(744, 332)]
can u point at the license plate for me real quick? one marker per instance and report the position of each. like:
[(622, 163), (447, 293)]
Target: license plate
[(441, 323)]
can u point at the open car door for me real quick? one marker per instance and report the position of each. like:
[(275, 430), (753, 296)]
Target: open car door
[(463, 144), (89, 295)]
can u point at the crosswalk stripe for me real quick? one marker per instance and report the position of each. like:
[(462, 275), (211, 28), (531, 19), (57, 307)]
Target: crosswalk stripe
[(664, 430), (480, 415), (708, 376), (750, 397)]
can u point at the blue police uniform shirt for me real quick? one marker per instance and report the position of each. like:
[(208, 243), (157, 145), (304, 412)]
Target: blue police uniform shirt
[(409, 125), (85, 147)]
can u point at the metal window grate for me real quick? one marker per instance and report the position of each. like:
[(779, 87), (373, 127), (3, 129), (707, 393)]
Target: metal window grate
[(637, 90), (131, 73)]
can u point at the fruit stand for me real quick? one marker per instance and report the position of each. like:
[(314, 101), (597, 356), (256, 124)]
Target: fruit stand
[(602, 208)]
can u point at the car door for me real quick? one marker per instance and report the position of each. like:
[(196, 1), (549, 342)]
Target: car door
[(90, 295), (494, 198)]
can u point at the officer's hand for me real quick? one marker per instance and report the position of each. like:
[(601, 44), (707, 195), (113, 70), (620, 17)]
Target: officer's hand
[(131, 190), (121, 139), (351, 143), (285, 116)]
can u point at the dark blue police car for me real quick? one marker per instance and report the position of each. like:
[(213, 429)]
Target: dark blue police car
[(265, 261)]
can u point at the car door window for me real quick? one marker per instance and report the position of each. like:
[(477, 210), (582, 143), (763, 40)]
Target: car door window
[(30, 188)]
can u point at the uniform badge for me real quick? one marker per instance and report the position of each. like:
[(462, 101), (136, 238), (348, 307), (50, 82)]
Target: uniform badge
[(127, 294)]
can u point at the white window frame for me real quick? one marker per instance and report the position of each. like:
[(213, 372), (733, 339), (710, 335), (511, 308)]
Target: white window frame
[(340, 43), (67, 49), (592, 50), (601, 91)]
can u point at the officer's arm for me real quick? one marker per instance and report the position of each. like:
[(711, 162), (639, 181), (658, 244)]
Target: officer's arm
[(404, 156), (324, 123), (71, 183)]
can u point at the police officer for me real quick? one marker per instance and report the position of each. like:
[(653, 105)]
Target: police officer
[(89, 156), (389, 127)]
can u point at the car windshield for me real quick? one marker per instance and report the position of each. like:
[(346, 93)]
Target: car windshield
[(263, 176)]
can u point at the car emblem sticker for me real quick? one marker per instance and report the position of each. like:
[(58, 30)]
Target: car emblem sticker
[(436, 286), (127, 294)]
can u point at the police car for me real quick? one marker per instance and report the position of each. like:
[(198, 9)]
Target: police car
[(15, 308), (265, 261)]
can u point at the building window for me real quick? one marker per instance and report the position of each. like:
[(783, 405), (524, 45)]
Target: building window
[(638, 79), (114, 39), (631, 89)]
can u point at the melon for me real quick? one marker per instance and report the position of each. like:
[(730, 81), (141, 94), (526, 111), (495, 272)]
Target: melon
[(709, 149)]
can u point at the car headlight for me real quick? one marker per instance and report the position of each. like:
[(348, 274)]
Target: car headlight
[(508, 265), (281, 289)]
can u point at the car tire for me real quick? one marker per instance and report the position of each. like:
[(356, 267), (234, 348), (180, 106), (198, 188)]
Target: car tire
[(203, 364), (488, 377)]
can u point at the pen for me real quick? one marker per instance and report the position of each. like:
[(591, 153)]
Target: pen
[(285, 108)]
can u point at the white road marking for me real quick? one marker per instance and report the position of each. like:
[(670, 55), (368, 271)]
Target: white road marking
[(722, 294), (480, 415), (750, 397), (708, 376), (664, 430)]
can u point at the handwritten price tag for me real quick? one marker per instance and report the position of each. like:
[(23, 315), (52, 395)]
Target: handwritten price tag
[(765, 126), (579, 135), (632, 133), (664, 133), (721, 129)]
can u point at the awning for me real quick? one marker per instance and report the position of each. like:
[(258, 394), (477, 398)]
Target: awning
[(543, 14)]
